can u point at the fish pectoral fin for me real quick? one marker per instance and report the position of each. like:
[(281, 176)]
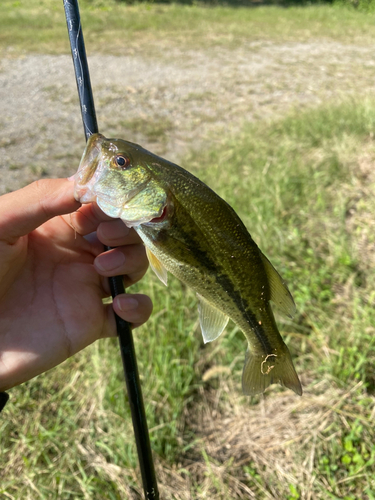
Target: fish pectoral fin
[(212, 320), (262, 370), (157, 267), (280, 293)]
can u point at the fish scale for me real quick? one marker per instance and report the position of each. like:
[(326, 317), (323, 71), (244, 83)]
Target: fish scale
[(189, 231)]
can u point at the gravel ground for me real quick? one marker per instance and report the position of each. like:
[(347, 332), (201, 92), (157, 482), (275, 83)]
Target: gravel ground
[(170, 104)]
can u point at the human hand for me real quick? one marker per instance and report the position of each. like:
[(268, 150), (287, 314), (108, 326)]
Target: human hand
[(52, 278)]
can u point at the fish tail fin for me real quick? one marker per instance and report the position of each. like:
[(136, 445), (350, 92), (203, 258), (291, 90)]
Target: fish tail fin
[(262, 370)]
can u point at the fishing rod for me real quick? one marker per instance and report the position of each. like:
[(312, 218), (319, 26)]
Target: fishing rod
[(124, 332)]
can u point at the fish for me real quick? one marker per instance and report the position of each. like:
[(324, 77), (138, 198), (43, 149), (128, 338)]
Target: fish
[(189, 231)]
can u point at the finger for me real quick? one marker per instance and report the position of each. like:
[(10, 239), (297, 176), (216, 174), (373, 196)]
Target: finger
[(96, 247), (129, 261), (114, 234), (87, 219), (136, 308), (24, 210)]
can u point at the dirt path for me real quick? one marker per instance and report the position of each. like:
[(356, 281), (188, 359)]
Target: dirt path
[(179, 101)]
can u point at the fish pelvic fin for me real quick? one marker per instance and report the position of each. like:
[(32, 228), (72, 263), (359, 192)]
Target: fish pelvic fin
[(262, 370), (280, 294), (157, 267), (211, 319)]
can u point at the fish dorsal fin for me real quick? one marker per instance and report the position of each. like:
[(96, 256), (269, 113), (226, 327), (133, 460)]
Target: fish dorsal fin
[(157, 267), (211, 319), (280, 294)]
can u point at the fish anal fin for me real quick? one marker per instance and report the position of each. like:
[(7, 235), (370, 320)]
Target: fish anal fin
[(157, 267), (211, 319), (280, 294), (262, 370)]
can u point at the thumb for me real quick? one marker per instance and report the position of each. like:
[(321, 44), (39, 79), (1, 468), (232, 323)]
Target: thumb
[(26, 209)]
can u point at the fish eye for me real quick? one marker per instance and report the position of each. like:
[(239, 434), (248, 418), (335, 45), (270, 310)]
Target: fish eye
[(122, 161)]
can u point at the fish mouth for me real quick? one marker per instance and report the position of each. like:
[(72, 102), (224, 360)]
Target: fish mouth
[(87, 173)]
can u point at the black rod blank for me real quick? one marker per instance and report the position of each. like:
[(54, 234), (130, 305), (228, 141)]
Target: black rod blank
[(81, 68), (124, 332)]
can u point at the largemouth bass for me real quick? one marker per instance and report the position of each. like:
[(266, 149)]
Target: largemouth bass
[(190, 231)]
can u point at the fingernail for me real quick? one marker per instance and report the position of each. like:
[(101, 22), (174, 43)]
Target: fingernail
[(109, 261), (127, 303)]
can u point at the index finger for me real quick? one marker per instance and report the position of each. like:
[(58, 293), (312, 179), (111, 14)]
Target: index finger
[(87, 219)]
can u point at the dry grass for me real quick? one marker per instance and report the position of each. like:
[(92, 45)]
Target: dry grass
[(280, 440), (244, 451)]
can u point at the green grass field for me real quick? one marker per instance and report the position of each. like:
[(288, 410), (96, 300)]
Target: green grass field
[(304, 186), (117, 28)]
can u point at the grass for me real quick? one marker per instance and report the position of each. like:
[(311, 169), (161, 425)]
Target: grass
[(113, 27), (303, 185)]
